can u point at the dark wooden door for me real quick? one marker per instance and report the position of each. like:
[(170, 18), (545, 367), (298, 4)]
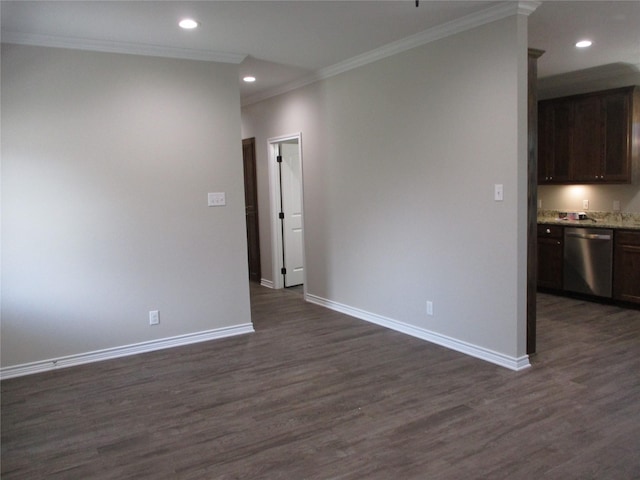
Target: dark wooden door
[(251, 208)]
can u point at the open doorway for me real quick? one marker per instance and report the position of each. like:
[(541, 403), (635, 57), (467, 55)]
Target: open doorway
[(285, 176)]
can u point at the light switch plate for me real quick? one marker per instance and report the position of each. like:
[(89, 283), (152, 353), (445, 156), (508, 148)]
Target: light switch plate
[(154, 317), (498, 192), (217, 199)]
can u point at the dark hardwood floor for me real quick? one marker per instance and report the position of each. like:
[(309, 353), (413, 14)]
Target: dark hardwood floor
[(315, 394)]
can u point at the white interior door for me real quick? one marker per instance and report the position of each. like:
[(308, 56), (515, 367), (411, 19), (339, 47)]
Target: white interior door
[(292, 240)]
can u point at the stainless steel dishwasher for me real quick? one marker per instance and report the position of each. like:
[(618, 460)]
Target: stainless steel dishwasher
[(588, 265)]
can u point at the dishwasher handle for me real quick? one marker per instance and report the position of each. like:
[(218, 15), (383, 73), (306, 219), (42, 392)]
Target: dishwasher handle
[(589, 236)]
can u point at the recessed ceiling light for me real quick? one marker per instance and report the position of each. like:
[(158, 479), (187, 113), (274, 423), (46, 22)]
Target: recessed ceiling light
[(249, 79), (188, 24), (583, 44)]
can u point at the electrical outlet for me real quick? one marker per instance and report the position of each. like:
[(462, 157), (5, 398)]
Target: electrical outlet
[(429, 307), (154, 317), (616, 205), (217, 199), (585, 204)]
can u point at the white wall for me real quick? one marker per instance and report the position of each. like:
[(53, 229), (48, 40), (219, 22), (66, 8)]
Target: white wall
[(400, 159), (106, 164)]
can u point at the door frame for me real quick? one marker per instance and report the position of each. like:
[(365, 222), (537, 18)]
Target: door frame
[(274, 202), (251, 190)]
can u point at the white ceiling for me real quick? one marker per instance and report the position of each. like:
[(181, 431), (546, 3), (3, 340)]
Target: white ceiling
[(281, 42)]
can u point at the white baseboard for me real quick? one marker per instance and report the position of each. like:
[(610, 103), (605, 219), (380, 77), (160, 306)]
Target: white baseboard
[(126, 350), (266, 283), (513, 363)]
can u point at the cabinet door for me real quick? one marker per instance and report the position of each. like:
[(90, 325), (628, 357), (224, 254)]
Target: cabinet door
[(588, 140), (554, 147), (550, 256), (626, 272), (617, 165), (562, 142), (545, 129)]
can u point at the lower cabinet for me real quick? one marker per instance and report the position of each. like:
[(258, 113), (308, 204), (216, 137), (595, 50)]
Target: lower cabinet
[(550, 256), (626, 266), (626, 262)]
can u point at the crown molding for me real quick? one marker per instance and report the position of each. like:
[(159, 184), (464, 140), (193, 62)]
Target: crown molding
[(528, 7), (119, 47), (279, 90), (473, 20)]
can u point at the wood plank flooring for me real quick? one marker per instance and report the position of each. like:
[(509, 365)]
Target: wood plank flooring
[(315, 394)]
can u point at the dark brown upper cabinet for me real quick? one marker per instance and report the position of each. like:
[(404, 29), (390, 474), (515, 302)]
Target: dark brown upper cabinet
[(554, 141), (589, 138)]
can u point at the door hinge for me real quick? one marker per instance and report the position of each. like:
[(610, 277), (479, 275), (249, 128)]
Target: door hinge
[(283, 271), (281, 215), (279, 159)]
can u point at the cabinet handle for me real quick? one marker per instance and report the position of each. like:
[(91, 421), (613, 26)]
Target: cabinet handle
[(548, 230)]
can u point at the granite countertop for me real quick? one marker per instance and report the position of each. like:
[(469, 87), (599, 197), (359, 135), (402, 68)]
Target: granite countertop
[(630, 221)]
